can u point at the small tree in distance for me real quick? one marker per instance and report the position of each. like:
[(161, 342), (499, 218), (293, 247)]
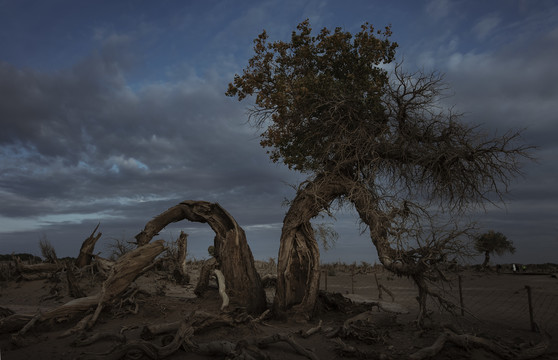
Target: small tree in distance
[(493, 242)]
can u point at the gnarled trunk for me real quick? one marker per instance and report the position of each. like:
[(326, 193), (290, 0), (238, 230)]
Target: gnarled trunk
[(231, 248), (486, 258), (298, 265)]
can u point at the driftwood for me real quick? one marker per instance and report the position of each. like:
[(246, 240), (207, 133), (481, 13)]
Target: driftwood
[(126, 269), (203, 281), (151, 350), (103, 265), (231, 248), (240, 350), (182, 243), (466, 341), (14, 322), (222, 288), (36, 271), (387, 306), (199, 320), (73, 287), (87, 247), (311, 331)]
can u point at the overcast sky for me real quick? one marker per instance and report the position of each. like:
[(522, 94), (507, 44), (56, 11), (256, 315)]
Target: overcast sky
[(114, 111)]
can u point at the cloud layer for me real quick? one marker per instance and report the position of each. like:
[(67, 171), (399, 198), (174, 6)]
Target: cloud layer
[(129, 117)]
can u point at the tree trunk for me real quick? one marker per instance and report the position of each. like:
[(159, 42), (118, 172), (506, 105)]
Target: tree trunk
[(486, 258), (231, 248), (86, 251), (298, 265), (182, 251)]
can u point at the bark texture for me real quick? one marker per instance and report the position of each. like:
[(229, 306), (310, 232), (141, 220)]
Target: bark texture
[(86, 251), (298, 266), (231, 248)]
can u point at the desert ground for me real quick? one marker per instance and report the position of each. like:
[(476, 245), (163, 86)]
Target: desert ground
[(496, 309)]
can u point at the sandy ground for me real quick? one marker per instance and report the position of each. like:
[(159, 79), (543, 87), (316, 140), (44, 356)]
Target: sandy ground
[(497, 309)]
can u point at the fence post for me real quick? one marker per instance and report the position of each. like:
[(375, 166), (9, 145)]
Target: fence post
[(352, 280), (326, 273), (379, 287), (533, 325), (461, 296)]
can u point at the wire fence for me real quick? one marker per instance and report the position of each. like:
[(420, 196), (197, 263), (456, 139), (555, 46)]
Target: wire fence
[(509, 300)]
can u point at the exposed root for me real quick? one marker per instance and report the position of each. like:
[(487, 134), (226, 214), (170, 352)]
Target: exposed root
[(466, 341)]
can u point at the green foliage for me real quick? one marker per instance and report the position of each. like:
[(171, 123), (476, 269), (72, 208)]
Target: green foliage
[(297, 85), (494, 242)]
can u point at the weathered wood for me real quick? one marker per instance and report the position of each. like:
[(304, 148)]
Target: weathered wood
[(231, 248), (467, 341), (222, 288), (126, 269), (203, 281), (14, 322), (199, 320), (73, 286), (151, 350), (182, 243), (103, 265), (298, 265), (87, 247), (40, 270)]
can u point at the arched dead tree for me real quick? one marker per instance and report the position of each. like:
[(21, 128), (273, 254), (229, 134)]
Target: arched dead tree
[(231, 249)]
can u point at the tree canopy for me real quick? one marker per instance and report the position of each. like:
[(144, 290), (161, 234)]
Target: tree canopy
[(316, 91)]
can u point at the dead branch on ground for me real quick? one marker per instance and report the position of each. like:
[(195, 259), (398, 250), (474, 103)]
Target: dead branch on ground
[(466, 341)]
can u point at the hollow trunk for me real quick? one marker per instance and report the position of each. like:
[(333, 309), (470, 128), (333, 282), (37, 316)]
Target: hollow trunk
[(298, 265), (231, 249)]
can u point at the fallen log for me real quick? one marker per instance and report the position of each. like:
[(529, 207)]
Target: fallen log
[(36, 271), (199, 320), (466, 341), (126, 269), (151, 350)]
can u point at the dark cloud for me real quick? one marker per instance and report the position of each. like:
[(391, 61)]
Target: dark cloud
[(139, 122)]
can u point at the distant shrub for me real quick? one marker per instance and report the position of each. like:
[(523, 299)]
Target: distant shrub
[(47, 250), (21, 256), (118, 247)]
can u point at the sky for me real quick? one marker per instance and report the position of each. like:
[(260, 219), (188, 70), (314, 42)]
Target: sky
[(113, 111)]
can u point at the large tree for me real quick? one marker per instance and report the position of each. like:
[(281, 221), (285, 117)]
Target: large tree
[(371, 139), (493, 242)]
